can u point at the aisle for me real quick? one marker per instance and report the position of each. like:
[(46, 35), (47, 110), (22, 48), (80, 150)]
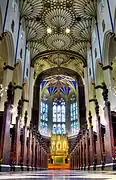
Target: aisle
[(59, 175)]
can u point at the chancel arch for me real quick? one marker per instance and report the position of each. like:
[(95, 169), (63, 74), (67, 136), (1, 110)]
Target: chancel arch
[(47, 85)]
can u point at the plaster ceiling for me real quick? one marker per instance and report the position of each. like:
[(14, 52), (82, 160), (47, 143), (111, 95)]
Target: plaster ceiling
[(59, 15)]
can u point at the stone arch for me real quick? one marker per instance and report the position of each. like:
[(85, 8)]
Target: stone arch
[(56, 71), (6, 64), (106, 46), (6, 57)]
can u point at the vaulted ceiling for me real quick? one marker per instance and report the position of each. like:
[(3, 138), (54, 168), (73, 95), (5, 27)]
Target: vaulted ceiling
[(58, 32)]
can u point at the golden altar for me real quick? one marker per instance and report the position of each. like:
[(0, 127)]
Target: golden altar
[(59, 151)]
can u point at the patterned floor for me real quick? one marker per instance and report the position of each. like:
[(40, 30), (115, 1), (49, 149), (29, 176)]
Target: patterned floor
[(59, 175)]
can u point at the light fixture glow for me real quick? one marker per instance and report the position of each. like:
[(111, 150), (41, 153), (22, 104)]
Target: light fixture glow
[(49, 30), (67, 30)]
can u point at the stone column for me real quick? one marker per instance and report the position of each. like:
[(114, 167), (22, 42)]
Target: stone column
[(5, 144), (86, 89), (109, 137), (31, 87)]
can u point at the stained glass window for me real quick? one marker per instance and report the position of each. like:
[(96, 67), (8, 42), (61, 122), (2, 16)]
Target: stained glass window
[(44, 111), (44, 118), (74, 117), (59, 126)]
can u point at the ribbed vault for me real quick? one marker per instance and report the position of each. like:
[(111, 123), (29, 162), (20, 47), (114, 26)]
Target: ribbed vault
[(58, 25)]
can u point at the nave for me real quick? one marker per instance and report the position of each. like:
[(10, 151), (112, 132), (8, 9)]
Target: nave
[(60, 175)]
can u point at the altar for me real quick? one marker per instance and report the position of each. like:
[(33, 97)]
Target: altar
[(59, 150)]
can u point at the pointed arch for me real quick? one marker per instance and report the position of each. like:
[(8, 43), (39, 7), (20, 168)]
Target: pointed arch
[(106, 46)]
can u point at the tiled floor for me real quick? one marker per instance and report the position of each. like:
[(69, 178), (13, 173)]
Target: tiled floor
[(59, 175)]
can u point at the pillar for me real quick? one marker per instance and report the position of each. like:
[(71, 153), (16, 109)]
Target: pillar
[(31, 85)]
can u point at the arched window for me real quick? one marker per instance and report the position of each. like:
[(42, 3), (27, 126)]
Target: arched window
[(44, 118), (59, 117), (74, 118)]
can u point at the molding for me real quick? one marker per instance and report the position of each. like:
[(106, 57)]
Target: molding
[(98, 87), (9, 67), (18, 87), (107, 67), (92, 100)]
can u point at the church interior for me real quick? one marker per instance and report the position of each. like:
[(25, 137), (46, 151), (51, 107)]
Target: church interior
[(57, 86)]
